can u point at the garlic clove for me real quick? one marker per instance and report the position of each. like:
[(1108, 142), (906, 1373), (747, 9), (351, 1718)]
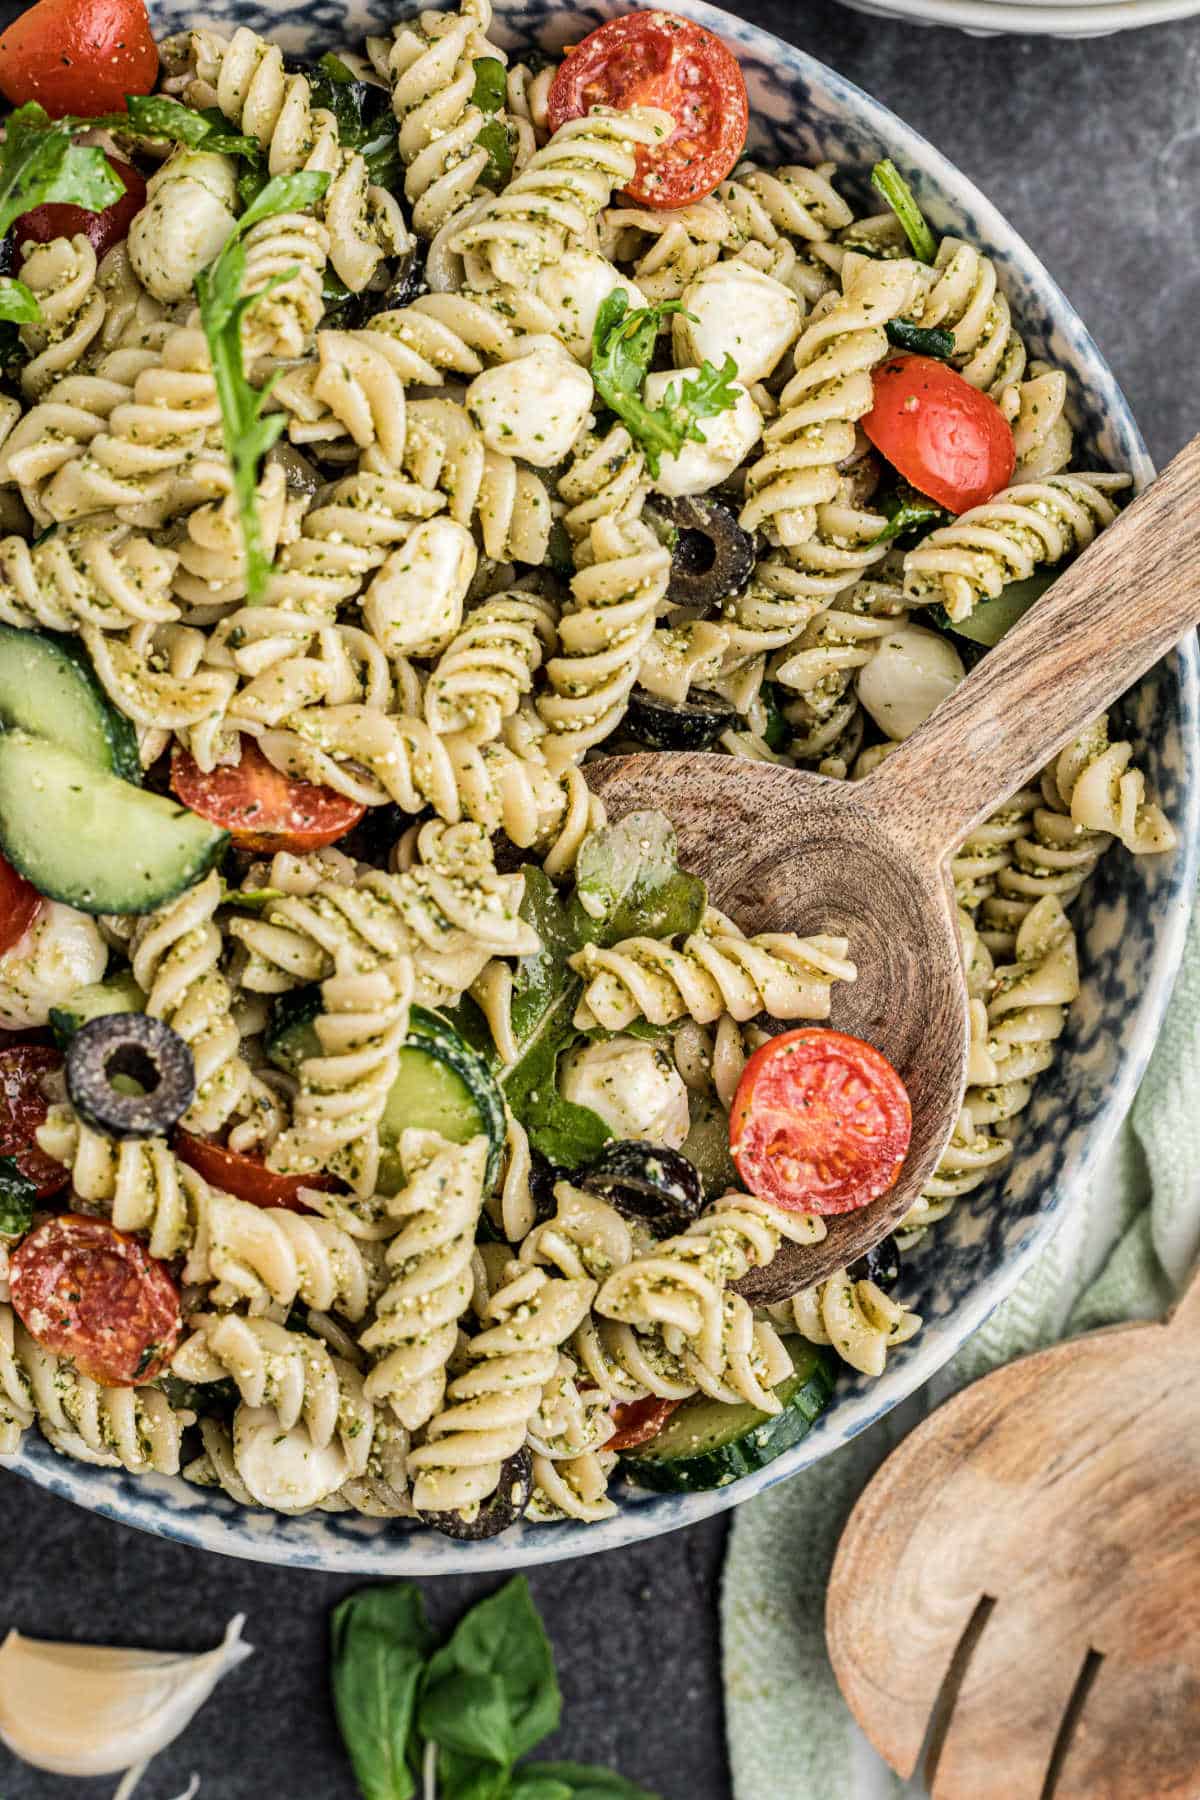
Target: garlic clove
[(91, 1709)]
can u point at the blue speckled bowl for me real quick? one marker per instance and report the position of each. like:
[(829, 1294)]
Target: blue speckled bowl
[(1132, 917)]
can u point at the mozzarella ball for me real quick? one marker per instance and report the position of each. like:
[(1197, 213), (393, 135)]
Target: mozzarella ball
[(189, 212), (574, 290), (740, 312), (534, 407), (414, 605), (634, 1087), (284, 1470), (729, 438), (911, 672), (61, 952)]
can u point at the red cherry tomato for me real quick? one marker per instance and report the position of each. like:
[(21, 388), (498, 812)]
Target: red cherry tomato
[(945, 437), (820, 1122), (86, 1291), (262, 808), (638, 1421), (247, 1176), (101, 229), (20, 904), (78, 56), (659, 59), (23, 1108)]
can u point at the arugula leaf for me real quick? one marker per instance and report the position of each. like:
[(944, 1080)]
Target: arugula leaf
[(887, 180), (18, 1196), (380, 1642), (908, 511), (578, 1781), (622, 346), (935, 341), (40, 166), (502, 1639), (17, 302), (248, 434), (628, 883)]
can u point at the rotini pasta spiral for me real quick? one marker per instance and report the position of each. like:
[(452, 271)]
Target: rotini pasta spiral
[(271, 1366), (964, 296), (505, 498), (860, 1321), (415, 1328), (716, 970), (62, 277), (107, 578), (479, 679), (1093, 778)]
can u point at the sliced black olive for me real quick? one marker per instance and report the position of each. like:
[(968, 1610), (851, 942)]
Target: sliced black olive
[(712, 556), (880, 1264), (408, 280), (692, 724), (494, 1515), (149, 1055), (300, 475), (543, 1175), (647, 1182)]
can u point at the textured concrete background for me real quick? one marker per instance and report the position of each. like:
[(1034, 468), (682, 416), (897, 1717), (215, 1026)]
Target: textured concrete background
[(1093, 151)]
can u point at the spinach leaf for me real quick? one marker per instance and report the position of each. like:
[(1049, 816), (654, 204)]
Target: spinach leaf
[(18, 303), (623, 344), (365, 121), (936, 341), (579, 1781), (628, 883), (18, 1196), (247, 433), (502, 1640), (380, 1642), (40, 166), (158, 118), (887, 180)]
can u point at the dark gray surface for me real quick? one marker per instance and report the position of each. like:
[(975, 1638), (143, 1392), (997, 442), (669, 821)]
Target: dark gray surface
[(1093, 151)]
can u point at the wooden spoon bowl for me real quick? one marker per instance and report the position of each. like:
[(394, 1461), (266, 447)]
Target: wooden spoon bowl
[(785, 850)]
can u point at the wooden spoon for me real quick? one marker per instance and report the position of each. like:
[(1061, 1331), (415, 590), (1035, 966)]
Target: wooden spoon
[(782, 849), (1032, 1554)]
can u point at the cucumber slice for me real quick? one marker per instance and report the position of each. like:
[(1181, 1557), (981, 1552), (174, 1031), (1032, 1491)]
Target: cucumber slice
[(989, 622), (705, 1444), (49, 688), (116, 994), (441, 1084), (82, 836)]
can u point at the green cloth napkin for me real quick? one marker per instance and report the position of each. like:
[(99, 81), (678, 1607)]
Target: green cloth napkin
[(1122, 1252)]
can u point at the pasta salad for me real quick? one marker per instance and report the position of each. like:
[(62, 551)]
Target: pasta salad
[(383, 436)]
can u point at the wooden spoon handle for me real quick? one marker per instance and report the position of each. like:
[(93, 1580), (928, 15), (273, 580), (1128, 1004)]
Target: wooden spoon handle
[(1185, 1314), (1107, 619)]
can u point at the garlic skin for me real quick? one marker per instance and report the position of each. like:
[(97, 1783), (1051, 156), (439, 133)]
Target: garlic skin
[(91, 1709)]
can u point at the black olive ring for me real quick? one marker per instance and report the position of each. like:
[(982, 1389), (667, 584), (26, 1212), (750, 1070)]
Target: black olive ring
[(660, 1187), (514, 1490), (144, 1051)]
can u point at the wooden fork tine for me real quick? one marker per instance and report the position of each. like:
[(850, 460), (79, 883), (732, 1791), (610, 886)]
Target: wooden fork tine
[(1136, 1731)]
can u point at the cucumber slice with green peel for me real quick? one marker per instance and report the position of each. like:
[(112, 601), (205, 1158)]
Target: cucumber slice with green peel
[(82, 836), (115, 994), (989, 622), (49, 689), (705, 1444), (441, 1084)]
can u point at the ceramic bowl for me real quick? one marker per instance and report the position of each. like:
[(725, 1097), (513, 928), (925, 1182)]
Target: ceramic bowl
[(1037, 18), (1131, 918)]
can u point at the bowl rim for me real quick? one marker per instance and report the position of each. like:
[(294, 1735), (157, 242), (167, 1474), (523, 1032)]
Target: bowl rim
[(210, 1521), (1045, 18)]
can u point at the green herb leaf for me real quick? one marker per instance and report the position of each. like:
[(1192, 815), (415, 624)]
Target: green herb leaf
[(470, 1778), (502, 1639), (160, 119), (380, 1641), (470, 1714), (17, 302), (493, 137), (18, 1196), (40, 166), (777, 732), (581, 1782), (247, 433), (909, 514), (365, 121), (887, 180), (491, 84), (530, 1783), (628, 883), (623, 344), (936, 341)]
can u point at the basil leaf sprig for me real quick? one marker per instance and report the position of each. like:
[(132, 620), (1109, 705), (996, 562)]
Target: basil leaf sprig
[(887, 180), (41, 165), (623, 344), (247, 432), (453, 1722)]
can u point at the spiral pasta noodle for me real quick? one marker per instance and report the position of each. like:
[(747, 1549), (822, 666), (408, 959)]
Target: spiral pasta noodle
[(288, 1371), (479, 679), (62, 278), (860, 1321), (106, 578)]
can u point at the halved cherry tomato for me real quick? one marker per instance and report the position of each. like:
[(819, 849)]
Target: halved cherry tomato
[(78, 56), (247, 1176), (659, 59), (86, 1291), (23, 1108), (262, 808), (945, 437), (820, 1122), (20, 904), (101, 229), (638, 1421)]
